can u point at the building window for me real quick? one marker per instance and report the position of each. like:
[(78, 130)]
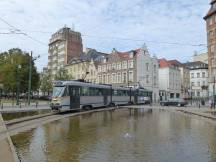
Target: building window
[(211, 34), (130, 76), (104, 68), (147, 79), (124, 78), (155, 82), (147, 66), (119, 77), (192, 84), (198, 84), (99, 68), (113, 78), (212, 48), (131, 63), (155, 68), (124, 64), (100, 78), (113, 66), (210, 21), (203, 83), (198, 75), (104, 78), (192, 75), (119, 66), (109, 78), (203, 74)]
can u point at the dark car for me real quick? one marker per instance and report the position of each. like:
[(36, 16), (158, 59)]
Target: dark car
[(174, 102)]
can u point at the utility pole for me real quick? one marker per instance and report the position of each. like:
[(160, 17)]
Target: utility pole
[(214, 92), (17, 83), (30, 78)]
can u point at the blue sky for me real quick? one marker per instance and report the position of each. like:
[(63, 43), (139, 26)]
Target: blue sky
[(103, 22)]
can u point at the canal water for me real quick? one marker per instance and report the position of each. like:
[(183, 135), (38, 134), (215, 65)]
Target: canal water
[(127, 135)]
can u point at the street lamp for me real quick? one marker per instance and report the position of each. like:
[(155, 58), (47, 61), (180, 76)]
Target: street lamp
[(30, 75), (18, 83), (214, 97)]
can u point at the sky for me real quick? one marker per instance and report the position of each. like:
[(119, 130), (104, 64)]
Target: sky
[(169, 28)]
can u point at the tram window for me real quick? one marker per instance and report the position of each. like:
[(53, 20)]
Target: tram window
[(115, 93), (72, 91), (85, 91), (65, 93)]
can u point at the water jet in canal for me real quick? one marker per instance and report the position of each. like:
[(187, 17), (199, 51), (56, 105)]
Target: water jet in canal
[(121, 135)]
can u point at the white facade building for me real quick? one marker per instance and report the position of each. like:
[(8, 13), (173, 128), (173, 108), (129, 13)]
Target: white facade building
[(198, 79), (133, 68), (169, 80), (147, 72)]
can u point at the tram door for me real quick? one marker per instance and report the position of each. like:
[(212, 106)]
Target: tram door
[(136, 96), (105, 95), (74, 97)]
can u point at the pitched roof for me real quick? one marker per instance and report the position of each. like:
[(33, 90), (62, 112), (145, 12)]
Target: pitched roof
[(166, 63), (175, 62), (211, 10), (163, 63)]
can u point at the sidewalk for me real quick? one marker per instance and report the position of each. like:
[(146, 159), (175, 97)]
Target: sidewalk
[(24, 109), (7, 150)]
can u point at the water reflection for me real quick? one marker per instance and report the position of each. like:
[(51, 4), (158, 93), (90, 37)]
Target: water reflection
[(121, 135)]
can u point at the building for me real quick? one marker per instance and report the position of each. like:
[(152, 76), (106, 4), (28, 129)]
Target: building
[(203, 57), (135, 68), (210, 19), (63, 46), (85, 66), (198, 79), (185, 78), (147, 72), (169, 80), (82, 69)]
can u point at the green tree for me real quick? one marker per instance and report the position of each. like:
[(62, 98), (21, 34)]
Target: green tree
[(62, 74), (10, 73), (45, 83)]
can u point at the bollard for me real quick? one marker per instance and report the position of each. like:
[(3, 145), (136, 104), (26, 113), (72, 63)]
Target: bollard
[(20, 105), (36, 104), (2, 106)]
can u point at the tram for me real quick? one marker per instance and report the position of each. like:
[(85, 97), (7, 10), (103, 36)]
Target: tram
[(72, 95)]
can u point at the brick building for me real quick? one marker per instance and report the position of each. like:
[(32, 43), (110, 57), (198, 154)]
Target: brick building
[(210, 19), (63, 46)]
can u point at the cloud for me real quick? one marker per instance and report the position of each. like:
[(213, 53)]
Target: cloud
[(149, 20)]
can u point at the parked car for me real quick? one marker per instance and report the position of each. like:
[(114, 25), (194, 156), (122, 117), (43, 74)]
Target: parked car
[(147, 100), (174, 102)]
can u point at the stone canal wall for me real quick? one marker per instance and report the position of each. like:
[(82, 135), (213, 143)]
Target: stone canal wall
[(7, 150)]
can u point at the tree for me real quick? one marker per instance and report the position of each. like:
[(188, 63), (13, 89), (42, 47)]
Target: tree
[(11, 74), (45, 83), (62, 74)]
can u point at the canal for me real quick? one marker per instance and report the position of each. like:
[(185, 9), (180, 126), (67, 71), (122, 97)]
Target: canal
[(127, 135)]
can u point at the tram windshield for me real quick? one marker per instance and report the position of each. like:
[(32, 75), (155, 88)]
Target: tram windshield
[(58, 91)]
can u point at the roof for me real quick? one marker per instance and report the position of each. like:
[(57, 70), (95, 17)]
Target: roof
[(163, 63), (196, 65), (167, 63), (175, 62), (211, 10)]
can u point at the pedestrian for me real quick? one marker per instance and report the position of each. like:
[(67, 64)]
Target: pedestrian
[(210, 103)]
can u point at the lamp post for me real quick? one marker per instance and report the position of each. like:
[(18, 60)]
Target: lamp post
[(17, 83), (214, 98), (30, 76)]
